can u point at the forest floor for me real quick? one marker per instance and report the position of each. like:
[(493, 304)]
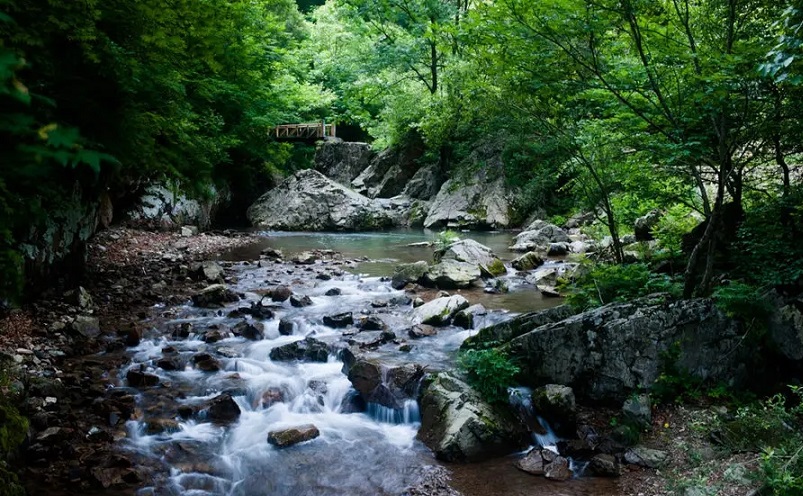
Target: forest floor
[(71, 442)]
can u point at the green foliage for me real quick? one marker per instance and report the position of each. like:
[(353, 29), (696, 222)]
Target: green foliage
[(606, 283), (744, 301), (673, 224), (490, 372), (13, 430), (446, 238)]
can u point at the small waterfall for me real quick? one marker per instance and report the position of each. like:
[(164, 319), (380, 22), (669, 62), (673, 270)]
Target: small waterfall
[(542, 433), (407, 414)]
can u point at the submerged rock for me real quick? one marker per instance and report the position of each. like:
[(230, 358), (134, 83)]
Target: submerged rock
[(294, 435), (459, 426)]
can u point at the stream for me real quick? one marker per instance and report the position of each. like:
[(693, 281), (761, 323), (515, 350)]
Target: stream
[(360, 451)]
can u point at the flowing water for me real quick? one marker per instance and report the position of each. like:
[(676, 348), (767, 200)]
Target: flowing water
[(361, 450)]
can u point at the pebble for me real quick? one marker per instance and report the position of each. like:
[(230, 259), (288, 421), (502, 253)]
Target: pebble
[(24, 351)]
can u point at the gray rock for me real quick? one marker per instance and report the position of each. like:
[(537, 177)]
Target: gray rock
[(643, 226), (300, 301), (605, 465), (422, 331), (404, 274), (424, 184), (475, 204), (433, 481), (85, 326), (504, 332), (557, 249), (294, 435), (215, 296), (786, 329), (206, 362), (280, 293), (539, 237), (608, 353), (248, 330), (387, 174), (308, 201), (342, 161), (557, 405), (450, 274), (372, 323), (458, 426), (285, 327), (638, 410), (533, 462), (222, 409), (307, 349), (548, 276), (210, 272), (645, 457), (339, 320), (79, 297), (469, 251), (528, 261), (439, 311), (334, 292), (558, 470), (389, 386), (161, 207), (417, 302)]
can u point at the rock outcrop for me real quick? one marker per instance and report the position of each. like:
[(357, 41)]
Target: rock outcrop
[(160, 207), (608, 353), (309, 201), (458, 426), (342, 161), (390, 170), (478, 204)]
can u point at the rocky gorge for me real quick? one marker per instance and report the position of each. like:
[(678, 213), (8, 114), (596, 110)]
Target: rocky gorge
[(178, 371)]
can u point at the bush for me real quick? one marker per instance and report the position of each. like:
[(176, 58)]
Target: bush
[(490, 372), (742, 300), (446, 238), (606, 283)]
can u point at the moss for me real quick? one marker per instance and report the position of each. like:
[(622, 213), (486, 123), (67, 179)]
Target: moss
[(13, 428), (497, 267)]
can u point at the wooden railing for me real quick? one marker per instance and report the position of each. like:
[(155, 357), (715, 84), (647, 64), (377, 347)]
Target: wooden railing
[(308, 130)]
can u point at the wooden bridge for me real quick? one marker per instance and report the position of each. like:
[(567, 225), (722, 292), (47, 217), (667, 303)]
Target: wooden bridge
[(304, 131)]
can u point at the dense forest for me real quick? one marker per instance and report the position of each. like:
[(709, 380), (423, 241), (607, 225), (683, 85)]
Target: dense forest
[(618, 107)]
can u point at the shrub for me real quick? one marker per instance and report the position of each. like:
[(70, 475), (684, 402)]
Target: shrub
[(446, 238), (490, 372), (606, 283)]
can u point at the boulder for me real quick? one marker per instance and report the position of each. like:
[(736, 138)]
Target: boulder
[(285, 327), (549, 275), (644, 225), (210, 272), (604, 465), (339, 320), (80, 298), (280, 293), (638, 411), (139, 378), (404, 274), (476, 204), (294, 435), (610, 352), (645, 457), (556, 404), (528, 261), (558, 470), (421, 331), (85, 326), (533, 462), (387, 386), (372, 323), (307, 349), (300, 301), (425, 183), (222, 409), (451, 274), (457, 425), (439, 311), (206, 362), (215, 296), (469, 251), (308, 201), (334, 292), (248, 330), (539, 236), (342, 161), (161, 207)]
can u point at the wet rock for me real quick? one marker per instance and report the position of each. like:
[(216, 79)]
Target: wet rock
[(280, 293), (459, 426), (379, 304), (323, 276), (300, 301), (645, 457), (261, 310), (464, 319), (405, 274), (439, 311), (556, 404), (170, 362), (210, 272), (372, 323), (161, 425), (528, 261), (182, 331), (449, 274), (533, 463), (295, 435), (248, 330), (604, 465), (472, 252), (387, 386), (557, 249), (215, 335), (638, 411), (334, 292), (340, 320), (206, 362), (434, 481), (417, 302), (222, 409), (308, 349), (215, 296), (139, 378), (272, 254), (132, 335), (85, 326), (285, 327), (305, 258), (538, 236), (422, 331), (371, 339), (558, 470)]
